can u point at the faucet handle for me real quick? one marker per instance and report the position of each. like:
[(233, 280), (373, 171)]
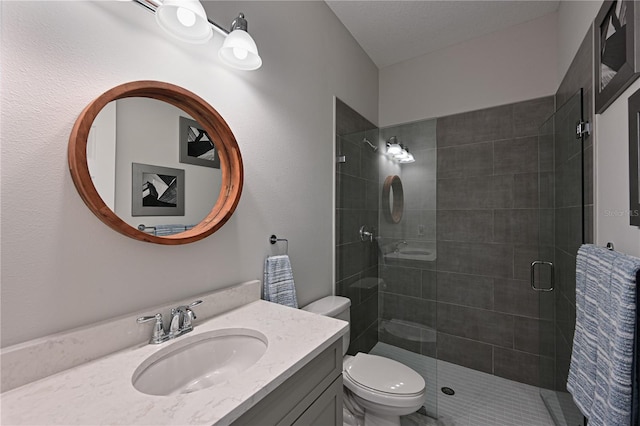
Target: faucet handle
[(181, 317), (174, 325), (159, 335), (157, 317), (189, 315)]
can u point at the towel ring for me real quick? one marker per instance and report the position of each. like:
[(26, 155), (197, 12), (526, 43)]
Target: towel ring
[(273, 239)]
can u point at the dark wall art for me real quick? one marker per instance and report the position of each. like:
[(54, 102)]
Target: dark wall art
[(616, 51), (196, 147), (156, 191)]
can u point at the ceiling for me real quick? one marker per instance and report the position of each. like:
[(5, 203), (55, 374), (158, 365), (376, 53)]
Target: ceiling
[(392, 31)]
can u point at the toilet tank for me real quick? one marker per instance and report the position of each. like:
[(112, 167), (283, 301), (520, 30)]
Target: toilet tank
[(334, 307)]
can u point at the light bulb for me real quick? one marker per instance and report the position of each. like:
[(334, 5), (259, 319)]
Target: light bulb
[(240, 53), (186, 17), (393, 149), (185, 20)]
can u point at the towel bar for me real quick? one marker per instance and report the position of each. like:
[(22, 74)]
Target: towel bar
[(153, 230), (273, 239)]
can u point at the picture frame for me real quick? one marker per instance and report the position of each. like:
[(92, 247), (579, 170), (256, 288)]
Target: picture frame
[(634, 159), (616, 51), (157, 190), (196, 146)]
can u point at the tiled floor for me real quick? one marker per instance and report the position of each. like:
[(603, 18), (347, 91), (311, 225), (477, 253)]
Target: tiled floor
[(480, 399), (563, 411)]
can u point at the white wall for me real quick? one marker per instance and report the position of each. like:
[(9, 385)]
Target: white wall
[(611, 151), (612, 177), (507, 66), (61, 266), (101, 154), (574, 20)]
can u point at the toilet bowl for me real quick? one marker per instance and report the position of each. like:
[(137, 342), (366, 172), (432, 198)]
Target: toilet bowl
[(384, 388), (377, 390)]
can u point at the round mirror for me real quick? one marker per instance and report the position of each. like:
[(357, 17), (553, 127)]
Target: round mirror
[(155, 162), (392, 199)]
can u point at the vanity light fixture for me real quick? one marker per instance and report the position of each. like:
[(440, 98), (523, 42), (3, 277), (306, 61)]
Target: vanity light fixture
[(187, 21), (239, 50), (398, 152)]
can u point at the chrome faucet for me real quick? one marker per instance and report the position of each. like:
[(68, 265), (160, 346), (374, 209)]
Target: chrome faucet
[(182, 318), (397, 245), (181, 323)]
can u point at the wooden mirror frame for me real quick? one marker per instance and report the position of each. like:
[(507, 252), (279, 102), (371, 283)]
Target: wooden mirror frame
[(230, 159), (393, 215)]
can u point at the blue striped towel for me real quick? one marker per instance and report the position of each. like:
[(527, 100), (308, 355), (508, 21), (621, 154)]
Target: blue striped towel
[(164, 230), (602, 361), (278, 285)]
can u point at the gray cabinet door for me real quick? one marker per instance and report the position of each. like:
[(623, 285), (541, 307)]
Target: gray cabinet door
[(326, 410), (285, 404)]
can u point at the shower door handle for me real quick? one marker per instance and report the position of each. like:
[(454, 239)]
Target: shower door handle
[(533, 275)]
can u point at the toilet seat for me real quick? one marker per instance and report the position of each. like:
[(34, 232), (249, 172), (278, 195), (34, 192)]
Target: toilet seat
[(383, 381)]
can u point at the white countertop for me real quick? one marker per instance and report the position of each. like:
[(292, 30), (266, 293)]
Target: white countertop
[(101, 392)]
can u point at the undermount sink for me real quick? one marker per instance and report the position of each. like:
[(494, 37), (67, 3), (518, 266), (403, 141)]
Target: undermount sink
[(200, 361)]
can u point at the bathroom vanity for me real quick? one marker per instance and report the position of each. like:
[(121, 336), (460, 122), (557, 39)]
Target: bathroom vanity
[(313, 396), (297, 380)]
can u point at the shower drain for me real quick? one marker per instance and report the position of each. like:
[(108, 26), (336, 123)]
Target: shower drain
[(448, 391)]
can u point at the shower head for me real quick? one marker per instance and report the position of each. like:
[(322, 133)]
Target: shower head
[(372, 146)]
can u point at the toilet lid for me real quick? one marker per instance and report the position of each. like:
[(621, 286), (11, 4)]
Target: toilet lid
[(384, 375)]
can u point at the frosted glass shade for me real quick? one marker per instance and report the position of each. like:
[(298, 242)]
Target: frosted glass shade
[(240, 51), (185, 20), (401, 156), (407, 159)]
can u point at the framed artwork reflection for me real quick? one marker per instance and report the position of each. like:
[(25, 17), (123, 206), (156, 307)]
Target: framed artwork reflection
[(156, 190), (196, 147), (615, 49)]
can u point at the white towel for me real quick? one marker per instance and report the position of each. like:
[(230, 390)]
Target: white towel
[(600, 373), (278, 285)]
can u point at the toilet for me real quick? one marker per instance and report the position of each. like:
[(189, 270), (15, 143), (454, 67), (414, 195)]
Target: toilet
[(377, 390)]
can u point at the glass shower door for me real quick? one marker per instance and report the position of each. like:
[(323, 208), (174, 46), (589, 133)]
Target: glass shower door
[(561, 232)]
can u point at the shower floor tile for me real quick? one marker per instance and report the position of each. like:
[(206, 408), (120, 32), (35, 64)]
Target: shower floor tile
[(480, 399)]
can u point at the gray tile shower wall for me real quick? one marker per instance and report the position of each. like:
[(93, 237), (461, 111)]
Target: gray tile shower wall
[(489, 227), (478, 181), (357, 202), (409, 284), (500, 194)]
